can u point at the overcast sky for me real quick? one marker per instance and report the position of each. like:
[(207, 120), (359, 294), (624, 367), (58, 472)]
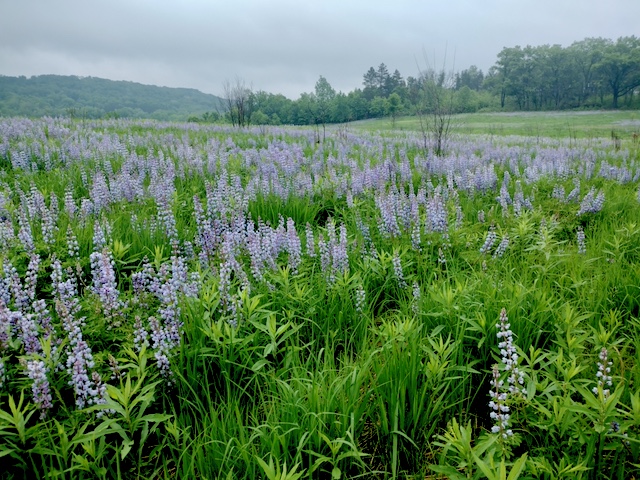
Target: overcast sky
[(283, 46)]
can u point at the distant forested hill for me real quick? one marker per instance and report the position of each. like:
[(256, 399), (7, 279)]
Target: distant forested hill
[(90, 97)]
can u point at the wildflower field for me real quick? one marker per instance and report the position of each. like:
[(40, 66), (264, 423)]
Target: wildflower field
[(192, 301)]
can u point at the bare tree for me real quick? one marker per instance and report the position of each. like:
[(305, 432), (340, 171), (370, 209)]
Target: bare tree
[(436, 106), (239, 102)]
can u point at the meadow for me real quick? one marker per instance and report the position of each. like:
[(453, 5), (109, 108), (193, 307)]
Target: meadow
[(196, 301), (584, 124)]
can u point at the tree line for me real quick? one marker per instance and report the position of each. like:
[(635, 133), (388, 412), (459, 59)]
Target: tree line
[(591, 73)]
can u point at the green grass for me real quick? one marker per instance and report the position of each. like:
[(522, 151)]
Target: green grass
[(566, 124)]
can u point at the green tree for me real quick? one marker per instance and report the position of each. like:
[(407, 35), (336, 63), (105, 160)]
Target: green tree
[(620, 67), (324, 95), (394, 105), (471, 77)]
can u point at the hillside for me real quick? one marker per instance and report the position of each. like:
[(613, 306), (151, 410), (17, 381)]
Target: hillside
[(90, 97)]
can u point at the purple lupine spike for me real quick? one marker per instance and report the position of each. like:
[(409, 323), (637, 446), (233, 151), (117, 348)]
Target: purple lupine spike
[(79, 361), (25, 235), (509, 354), (340, 258), (574, 194), (417, 294), (104, 283), (3, 374), (42, 317), (325, 255), (311, 244), (20, 296), (437, 214), (489, 241), (499, 409), (294, 246), (99, 238), (603, 376), (69, 203), (360, 299), (37, 372), (140, 335), (502, 246), (5, 327), (581, 239), (499, 393), (73, 248), (28, 332), (558, 193), (161, 345), (397, 271), (31, 277)]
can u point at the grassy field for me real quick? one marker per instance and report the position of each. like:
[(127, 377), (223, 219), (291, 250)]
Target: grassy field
[(188, 301), (585, 124)]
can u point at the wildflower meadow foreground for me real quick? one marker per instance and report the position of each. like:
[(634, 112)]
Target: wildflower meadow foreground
[(192, 301)]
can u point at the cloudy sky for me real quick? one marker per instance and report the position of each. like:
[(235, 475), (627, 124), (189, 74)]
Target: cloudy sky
[(283, 46)]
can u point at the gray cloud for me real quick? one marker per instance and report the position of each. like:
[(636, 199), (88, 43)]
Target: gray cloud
[(282, 46)]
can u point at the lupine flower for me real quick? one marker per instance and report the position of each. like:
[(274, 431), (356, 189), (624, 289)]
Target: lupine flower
[(99, 239), (42, 317), (79, 361), (31, 277), (499, 394), (558, 193), (481, 216), (574, 194), (104, 283), (28, 332), (294, 247), (397, 270), (580, 237), (603, 376), (415, 305), (441, 258), (224, 288), (459, 216), (509, 354), (415, 237), (366, 236), (360, 299), (37, 371), (140, 335), (437, 214), (24, 234), (311, 245), (161, 344), (167, 218), (20, 297), (325, 254), (73, 248), (502, 246), (340, 258), (69, 203), (6, 326), (489, 241), (2, 373), (499, 409), (591, 203)]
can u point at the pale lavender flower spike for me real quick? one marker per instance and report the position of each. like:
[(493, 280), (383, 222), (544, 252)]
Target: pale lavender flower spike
[(500, 392)]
